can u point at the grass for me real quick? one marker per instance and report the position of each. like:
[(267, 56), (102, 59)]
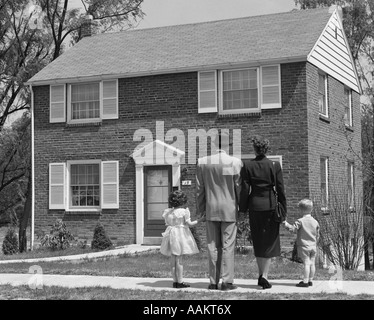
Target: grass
[(8, 292), (154, 264)]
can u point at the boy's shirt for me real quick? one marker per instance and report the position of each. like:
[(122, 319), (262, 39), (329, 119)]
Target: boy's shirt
[(307, 231)]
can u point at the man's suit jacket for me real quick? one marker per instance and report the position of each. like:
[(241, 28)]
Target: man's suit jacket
[(218, 186), (257, 182)]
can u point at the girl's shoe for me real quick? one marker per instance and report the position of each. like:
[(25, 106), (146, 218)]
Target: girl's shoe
[(182, 285), (265, 284)]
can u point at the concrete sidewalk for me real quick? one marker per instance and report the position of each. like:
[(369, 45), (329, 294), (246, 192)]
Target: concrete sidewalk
[(37, 278), (197, 284)]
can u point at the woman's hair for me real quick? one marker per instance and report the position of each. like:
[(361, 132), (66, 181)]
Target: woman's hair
[(260, 145), (177, 198)]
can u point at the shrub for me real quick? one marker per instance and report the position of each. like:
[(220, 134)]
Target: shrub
[(10, 243), (100, 239), (59, 237)]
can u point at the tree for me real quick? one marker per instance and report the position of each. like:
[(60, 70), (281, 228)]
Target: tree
[(32, 34)]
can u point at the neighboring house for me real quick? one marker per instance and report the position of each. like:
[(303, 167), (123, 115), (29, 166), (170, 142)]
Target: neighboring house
[(120, 118)]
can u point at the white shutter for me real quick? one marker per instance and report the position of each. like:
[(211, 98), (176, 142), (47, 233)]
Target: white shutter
[(110, 99), (109, 185), (57, 98), (270, 87), (207, 85), (57, 185)]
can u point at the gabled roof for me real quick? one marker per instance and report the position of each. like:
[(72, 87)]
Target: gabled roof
[(288, 36)]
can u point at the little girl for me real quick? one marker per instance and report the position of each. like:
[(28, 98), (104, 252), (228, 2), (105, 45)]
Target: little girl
[(177, 239)]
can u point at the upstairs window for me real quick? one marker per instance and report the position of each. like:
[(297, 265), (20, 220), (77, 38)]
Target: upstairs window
[(85, 101), (322, 95), (240, 90), (348, 107)]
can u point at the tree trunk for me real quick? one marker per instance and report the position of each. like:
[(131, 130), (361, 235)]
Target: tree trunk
[(367, 257), (25, 219)]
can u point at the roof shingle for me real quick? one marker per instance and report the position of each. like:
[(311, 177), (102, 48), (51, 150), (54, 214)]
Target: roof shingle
[(190, 47)]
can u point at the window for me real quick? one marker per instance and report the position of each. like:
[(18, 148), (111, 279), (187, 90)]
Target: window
[(85, 185), (270, 84), (322, 95), (208, 91), (85, 101), (348, 107), (324, 182), (351, 184), (240, 90)]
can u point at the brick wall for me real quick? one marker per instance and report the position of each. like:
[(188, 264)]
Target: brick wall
[(173, 99)]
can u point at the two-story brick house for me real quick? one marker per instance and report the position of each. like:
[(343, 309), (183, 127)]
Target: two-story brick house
[(120, 118)]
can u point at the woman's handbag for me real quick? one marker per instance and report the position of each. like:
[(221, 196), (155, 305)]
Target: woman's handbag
[(280, 212)]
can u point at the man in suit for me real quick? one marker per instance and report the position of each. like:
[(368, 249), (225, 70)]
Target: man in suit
[(218, 188)]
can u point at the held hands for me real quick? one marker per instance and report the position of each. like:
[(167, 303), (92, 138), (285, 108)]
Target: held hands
[(202, 218)]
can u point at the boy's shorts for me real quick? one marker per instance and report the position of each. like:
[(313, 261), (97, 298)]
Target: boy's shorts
[(306, 253)]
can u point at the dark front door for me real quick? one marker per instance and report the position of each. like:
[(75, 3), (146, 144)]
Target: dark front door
[(157, 187)]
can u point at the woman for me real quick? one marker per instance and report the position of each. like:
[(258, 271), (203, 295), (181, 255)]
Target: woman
[(258, 197)]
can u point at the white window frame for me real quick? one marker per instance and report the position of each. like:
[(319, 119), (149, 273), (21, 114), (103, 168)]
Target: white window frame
[(271, 105), (212, 109), (350, 122), (69, 106), (326, 164), (251, 156), (351, 183), (69, 206), (320, 73), (239, 111)]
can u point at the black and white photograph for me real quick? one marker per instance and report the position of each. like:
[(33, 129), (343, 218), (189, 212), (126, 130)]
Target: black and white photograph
[(187, 157)]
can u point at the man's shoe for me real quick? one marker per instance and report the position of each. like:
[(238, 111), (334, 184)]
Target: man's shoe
[(302, 284), (182, 285), (228, 286), (213, 287)]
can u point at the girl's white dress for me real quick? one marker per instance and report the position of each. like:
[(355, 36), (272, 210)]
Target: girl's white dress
[(177, 238)]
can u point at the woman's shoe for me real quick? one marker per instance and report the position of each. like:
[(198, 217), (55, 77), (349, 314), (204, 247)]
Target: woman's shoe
[(182, 285), (175, 284), (265, 284), (259, 280)]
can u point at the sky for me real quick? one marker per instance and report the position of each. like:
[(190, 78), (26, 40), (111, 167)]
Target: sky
[(161, 13)]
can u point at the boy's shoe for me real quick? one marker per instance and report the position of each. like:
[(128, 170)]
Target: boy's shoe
[(302, 284), (310, 283), (182, 285)]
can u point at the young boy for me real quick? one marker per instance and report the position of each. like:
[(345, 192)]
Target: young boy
[(307, 229)]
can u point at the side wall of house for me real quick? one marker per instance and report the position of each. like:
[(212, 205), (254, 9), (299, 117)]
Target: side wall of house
[(331, 138), (170, 100)]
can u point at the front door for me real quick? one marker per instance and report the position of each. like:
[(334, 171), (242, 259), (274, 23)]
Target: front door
[(157, 187)]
